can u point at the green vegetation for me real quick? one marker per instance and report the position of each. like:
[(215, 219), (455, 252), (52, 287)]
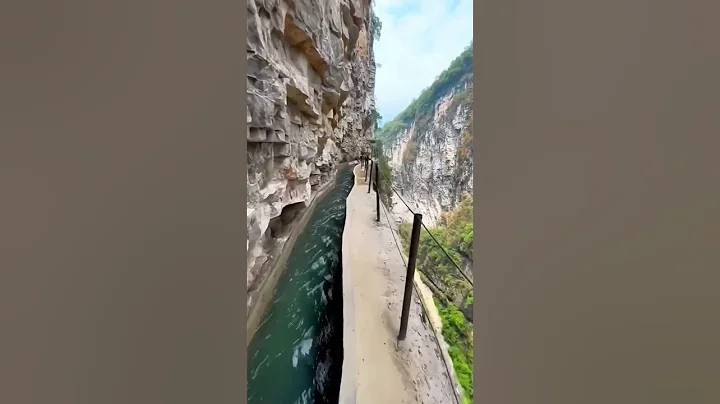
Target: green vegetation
[(455, 233), (459, 71), (385, 175), (453, 294), (457, 227), (376, 118), (375, 24), (457, 332)]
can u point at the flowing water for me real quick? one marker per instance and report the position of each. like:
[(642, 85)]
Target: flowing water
[(296, 354)]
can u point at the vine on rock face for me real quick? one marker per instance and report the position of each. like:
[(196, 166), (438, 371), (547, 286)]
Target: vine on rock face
[(375, 26), (375, 23), (386, 190), (377, 118)]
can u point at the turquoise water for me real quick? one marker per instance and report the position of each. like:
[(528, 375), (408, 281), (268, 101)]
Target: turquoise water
[(296, 353)]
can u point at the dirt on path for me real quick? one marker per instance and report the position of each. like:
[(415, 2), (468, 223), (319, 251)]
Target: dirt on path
[(386, 372)]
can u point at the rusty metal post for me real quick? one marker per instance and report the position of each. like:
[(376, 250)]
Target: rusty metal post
[(368, 176), (412, 259), (377, 192)]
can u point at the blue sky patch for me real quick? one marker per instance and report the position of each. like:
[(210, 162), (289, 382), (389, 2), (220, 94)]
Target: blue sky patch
[(419, 39)]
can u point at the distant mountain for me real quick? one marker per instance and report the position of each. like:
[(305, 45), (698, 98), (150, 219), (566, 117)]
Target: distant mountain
[(429, 144)]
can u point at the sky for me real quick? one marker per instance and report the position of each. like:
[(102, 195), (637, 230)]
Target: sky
[(419, 39)]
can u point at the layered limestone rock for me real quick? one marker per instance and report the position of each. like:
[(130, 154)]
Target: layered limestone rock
[(429, 145), (310, 100), (433, 169)]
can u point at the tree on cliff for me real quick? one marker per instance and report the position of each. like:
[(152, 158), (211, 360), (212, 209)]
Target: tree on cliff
[(375, 23)]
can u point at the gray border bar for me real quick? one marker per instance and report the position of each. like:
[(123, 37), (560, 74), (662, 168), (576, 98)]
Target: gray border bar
[(596, 202)]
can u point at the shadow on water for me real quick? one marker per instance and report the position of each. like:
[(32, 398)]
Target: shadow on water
[(296, 353)]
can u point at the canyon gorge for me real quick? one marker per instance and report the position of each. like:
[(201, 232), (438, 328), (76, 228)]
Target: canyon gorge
[(310, 88)]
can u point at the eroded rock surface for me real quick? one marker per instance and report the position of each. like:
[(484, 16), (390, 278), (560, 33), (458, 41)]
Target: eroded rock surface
[(310, 99), (434, 180)]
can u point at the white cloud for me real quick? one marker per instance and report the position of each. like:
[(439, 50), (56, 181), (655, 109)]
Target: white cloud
[(419, 39)]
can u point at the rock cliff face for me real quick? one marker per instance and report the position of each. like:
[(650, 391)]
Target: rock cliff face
[(429, 145), (310, 87)]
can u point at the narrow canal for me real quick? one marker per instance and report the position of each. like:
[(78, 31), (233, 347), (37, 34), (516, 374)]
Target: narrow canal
[(296, 354)]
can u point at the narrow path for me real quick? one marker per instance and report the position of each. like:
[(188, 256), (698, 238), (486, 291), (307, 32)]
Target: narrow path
[(359, 175), (387, 372)]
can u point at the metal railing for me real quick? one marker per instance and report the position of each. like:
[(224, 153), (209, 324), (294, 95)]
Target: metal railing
[(372, 177), (372, 171)]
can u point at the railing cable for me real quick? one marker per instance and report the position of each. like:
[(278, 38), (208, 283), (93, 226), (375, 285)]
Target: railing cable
[(425, 310), (387, 218), (446, 254), (396, 193), (402, 256), (428, 231)]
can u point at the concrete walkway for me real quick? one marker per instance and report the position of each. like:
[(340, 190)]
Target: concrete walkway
[(376, 368)]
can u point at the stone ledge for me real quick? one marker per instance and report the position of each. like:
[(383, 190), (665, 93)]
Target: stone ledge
[(348, 381)]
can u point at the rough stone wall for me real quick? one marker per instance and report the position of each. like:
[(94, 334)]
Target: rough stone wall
[(436, 178), (310, 96)]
